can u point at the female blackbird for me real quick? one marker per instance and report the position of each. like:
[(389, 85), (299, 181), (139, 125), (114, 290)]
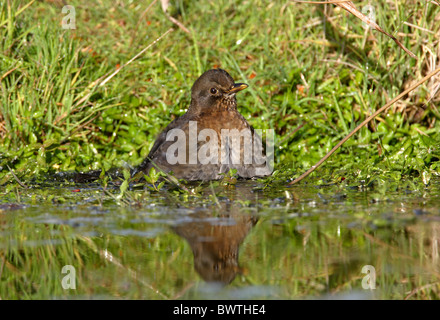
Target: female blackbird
[(211, 138)]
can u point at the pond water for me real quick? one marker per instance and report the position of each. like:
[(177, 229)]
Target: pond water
[(243, 241)]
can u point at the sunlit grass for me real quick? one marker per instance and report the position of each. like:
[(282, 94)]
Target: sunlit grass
[(314, 73), (326, 77)]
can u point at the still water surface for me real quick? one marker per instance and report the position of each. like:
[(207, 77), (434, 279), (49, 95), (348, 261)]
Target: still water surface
[(246, 242)]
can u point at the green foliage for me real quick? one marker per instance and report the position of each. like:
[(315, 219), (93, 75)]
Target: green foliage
[(229, 178), (153, 177), (55, 118), (311, 81)]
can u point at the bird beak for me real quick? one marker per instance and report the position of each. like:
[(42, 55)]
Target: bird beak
[(237, 87)]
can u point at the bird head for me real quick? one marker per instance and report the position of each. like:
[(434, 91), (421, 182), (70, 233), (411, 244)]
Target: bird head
[(215, 88)]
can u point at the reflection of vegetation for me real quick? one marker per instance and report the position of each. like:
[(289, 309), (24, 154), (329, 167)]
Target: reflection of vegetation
[(374, 202), (319, 261), (311, 244)]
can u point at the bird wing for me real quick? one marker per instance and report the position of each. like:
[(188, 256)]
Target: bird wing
[(160, 142)]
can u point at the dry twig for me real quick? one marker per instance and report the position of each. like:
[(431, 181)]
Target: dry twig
[(374, 115), (351, 8)]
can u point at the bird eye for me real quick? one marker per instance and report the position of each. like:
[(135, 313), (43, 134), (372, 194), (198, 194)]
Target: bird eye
[(213, 90)]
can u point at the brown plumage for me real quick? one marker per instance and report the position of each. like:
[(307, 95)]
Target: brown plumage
[(213, 107)]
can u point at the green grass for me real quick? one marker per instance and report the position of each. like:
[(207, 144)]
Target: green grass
[(311, 82), (328, 77)]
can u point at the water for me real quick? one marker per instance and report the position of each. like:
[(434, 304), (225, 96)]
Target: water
[(246, 242)]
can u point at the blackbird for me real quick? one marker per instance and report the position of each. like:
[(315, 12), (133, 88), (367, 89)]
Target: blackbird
[(211, 138)]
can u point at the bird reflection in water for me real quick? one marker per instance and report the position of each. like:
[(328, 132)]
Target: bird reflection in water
[(215, 242)]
